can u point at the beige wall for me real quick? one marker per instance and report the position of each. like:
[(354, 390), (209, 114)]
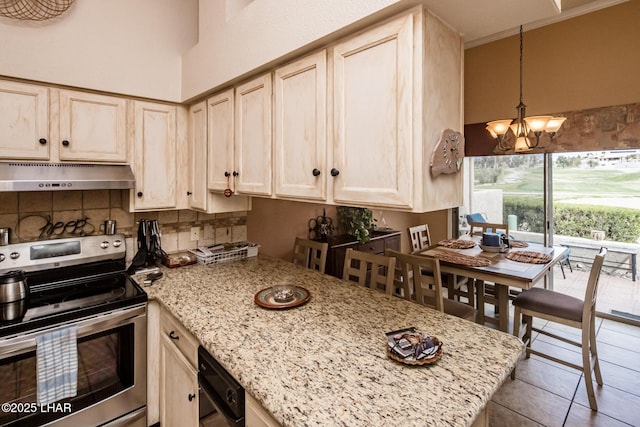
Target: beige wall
[(585, 62), (121, 46), (236, 41), (274, 224)]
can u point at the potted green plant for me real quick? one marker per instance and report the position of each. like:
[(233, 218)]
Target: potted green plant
[(357, 222)]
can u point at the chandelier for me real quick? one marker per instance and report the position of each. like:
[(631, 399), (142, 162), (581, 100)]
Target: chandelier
[(524, 126)]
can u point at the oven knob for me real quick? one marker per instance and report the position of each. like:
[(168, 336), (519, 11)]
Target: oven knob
[(14, 255), (1, 257), (117, 243), (104, 245)]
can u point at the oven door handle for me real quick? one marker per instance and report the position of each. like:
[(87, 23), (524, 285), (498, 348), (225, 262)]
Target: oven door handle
[(26, 342)]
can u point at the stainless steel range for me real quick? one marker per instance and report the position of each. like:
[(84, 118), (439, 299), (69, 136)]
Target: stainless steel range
[(75, 286)]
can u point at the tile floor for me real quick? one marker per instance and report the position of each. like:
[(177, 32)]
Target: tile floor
[(545, 393)]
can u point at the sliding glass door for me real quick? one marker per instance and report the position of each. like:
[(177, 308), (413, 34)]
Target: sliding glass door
[(583, 200)]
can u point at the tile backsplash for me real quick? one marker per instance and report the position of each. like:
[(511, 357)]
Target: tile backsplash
[(43, 215)]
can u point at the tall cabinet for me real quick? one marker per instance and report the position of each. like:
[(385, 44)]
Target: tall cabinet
[(300, 142), (372, 116), (155, 156)]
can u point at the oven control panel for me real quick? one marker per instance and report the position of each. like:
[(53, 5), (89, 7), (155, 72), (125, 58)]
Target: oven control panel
[(43, 254)]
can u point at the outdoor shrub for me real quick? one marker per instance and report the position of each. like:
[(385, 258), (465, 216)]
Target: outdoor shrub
[(619, 224)]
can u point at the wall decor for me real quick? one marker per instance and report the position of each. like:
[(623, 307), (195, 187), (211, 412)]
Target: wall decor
[(448, 154)]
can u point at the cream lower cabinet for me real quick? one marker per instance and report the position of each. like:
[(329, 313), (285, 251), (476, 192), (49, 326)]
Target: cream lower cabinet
[(24, 121), (179, 397), (155, 156), (300, 143), (93, 127), (256, 415)]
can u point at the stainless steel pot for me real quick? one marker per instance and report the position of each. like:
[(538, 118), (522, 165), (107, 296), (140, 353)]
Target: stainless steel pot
[(13, 286), (13, 310)]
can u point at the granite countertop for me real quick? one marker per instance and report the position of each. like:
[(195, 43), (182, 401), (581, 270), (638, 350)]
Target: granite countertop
[(325, 362)]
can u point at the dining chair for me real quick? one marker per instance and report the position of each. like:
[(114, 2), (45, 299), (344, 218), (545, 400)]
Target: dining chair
[(373, 271), (487, 227), (420, 279), (310, 254), (419, 237), (565, 260), (457, 286), (561, 308)]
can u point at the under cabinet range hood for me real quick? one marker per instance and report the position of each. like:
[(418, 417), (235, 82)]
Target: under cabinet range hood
[(28, 176)]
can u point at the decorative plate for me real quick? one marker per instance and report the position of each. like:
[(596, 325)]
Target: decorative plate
[(411, 347), (265, 298)]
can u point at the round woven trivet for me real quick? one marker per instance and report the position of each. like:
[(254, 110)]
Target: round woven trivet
[(456, 258), (457, 243), (530, 257)]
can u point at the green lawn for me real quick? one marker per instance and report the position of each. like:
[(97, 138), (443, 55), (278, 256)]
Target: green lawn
[(570, 182)]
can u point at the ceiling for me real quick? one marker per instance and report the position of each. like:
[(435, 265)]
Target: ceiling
[(483, 21)]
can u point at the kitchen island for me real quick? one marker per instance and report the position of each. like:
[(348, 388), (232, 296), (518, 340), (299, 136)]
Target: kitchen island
[(325, 362)]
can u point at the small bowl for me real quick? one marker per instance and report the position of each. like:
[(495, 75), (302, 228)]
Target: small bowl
[(494, 249), (282, 293)]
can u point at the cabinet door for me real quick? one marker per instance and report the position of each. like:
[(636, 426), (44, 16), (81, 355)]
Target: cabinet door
[(92, 127), (24, 121), (253, 137), (220, 123), (373, 116), (198, 155), (300, 128), (178, 387), (155, 156)]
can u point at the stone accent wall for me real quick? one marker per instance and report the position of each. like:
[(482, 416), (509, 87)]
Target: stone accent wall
[(614, 127)]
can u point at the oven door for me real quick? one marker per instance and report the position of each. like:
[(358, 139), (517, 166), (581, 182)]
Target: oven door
[(111, 374)]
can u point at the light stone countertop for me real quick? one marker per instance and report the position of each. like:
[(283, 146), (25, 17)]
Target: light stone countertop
[(325, 363)]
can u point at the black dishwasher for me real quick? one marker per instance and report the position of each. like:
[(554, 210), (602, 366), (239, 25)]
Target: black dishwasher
[(221, 396)]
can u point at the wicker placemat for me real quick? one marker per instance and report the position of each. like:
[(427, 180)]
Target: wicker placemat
[(530, 257), (456, 258), (457, 243), (518, 244)]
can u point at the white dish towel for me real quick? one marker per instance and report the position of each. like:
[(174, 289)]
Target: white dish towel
[(57, 365)]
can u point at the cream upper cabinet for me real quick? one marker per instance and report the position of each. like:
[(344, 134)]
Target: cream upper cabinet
[(198, 155), (200, 198), (253, 137), (93, 127), (24, 121), (373, 116), (155, 156), (300, 145), (220, 110)]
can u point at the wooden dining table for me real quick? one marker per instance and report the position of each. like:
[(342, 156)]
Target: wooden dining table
[(499, 269)]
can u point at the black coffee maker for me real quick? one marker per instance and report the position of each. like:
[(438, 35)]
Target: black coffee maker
[(150, 253)]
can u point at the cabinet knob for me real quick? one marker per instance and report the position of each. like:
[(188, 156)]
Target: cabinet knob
[(191, 396), (227, 174), (65, 143), (189, 193), (42, 141), (236, 173), (335, 172), (315, 172), (173, 335), (139, 193)]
